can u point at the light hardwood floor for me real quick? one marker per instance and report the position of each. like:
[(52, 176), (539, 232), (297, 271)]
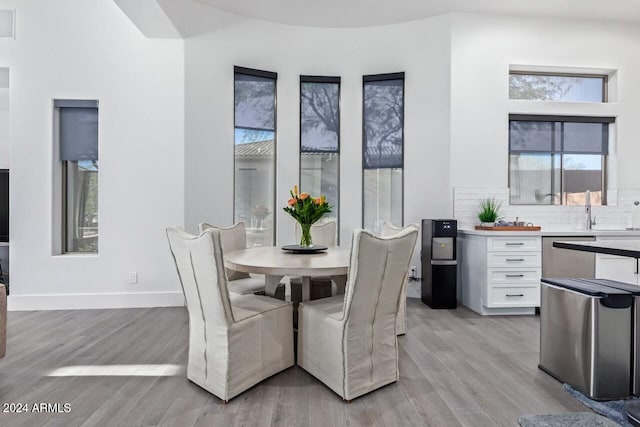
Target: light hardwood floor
[(456, 368)]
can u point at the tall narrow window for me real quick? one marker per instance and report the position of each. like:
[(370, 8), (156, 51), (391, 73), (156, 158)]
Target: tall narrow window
[(554, 160), (320, 138), (78, 138), (255, 154), (383, 152)]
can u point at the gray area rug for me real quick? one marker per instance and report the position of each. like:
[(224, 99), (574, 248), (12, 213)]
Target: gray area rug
[(612, 409), (581, 419)]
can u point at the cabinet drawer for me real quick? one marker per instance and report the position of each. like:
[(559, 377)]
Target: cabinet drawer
[(514, 276), (514, 259), (513, 297), (511, 244)]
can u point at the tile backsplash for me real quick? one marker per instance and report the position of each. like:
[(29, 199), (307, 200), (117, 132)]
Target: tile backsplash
[(618, 214)]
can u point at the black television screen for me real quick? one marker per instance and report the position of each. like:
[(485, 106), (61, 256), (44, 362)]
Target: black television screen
[(4, 205)]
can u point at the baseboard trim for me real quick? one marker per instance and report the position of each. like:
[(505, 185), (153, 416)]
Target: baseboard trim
[(94, 301)]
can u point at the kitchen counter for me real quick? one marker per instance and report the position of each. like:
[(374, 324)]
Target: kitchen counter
[(551, 232), (500, 271)]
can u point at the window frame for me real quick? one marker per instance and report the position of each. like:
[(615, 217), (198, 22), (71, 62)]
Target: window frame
[(377, 78), (61, 242), (329, 80), (64, 173), (562, 119), (604, 77), (267, 75)]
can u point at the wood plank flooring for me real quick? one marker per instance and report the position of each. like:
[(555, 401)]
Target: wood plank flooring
[(457, 369)]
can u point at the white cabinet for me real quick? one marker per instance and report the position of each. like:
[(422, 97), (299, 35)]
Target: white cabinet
[(500, 274), (622, 269), (509, 244)]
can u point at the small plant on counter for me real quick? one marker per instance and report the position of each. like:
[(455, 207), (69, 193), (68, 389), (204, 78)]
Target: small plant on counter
[(489, 210)]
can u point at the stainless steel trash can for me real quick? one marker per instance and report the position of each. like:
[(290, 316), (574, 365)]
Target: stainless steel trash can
[(635, 327), (585, 331)]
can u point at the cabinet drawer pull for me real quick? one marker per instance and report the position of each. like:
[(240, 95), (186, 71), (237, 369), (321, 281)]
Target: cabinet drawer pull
[(515, 259), (515, 244), (515, 295), (514, 275)]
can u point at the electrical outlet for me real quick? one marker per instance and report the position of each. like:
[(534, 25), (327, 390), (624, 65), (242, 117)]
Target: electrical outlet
[(133, 277)]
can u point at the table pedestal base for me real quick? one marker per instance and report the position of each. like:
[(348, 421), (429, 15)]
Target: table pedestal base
[(338, 284)]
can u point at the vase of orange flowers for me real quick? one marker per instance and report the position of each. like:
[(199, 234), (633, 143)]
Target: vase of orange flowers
[(306, 210)]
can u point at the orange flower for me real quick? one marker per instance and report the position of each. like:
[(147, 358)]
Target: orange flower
[(316, 200), (304, 196), (291, 202), (295, 190), (323, 199)]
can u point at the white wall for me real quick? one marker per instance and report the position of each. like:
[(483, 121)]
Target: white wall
[(483, 47), (456, 125), (166, 123), (90, 50), (420, 49)]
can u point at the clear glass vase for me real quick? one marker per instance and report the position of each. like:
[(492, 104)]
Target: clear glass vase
[(305, 237)]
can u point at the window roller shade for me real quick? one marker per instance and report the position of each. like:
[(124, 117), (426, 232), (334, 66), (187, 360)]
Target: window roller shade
[(585, 138), (78, 134), (75, 103), (78, 129), (255, 98), (319, 116), (383, 122), (569, 136)]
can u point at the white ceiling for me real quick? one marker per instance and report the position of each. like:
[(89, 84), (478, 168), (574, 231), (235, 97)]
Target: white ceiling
[(362, 13)]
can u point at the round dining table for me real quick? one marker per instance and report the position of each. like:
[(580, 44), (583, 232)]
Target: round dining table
[(276, 263)]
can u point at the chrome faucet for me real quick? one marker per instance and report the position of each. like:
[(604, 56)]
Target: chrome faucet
[(587, 210)]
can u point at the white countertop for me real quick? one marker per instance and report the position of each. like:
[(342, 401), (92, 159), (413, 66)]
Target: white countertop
[(553, 232)]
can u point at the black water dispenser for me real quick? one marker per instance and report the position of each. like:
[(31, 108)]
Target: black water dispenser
[(439, 263)]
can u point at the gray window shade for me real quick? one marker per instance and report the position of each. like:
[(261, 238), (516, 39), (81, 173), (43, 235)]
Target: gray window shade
[(531, 136), (255, 98), (383, 123), (78, 129), (319, 117), (586, 138), (555, 136)]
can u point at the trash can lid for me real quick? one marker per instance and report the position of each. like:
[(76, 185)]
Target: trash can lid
[(608, 296), (633, 289), (585, 287)]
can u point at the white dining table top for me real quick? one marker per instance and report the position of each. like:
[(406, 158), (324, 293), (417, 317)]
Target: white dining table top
[(272, 260)]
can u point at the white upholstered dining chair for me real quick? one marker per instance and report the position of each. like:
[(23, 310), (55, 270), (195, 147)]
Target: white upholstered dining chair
[(235, 238), (389, 229), (349, 341), (234, 342)]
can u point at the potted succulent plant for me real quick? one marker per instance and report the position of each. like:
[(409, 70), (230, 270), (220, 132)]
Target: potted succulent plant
[(489, 211)]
